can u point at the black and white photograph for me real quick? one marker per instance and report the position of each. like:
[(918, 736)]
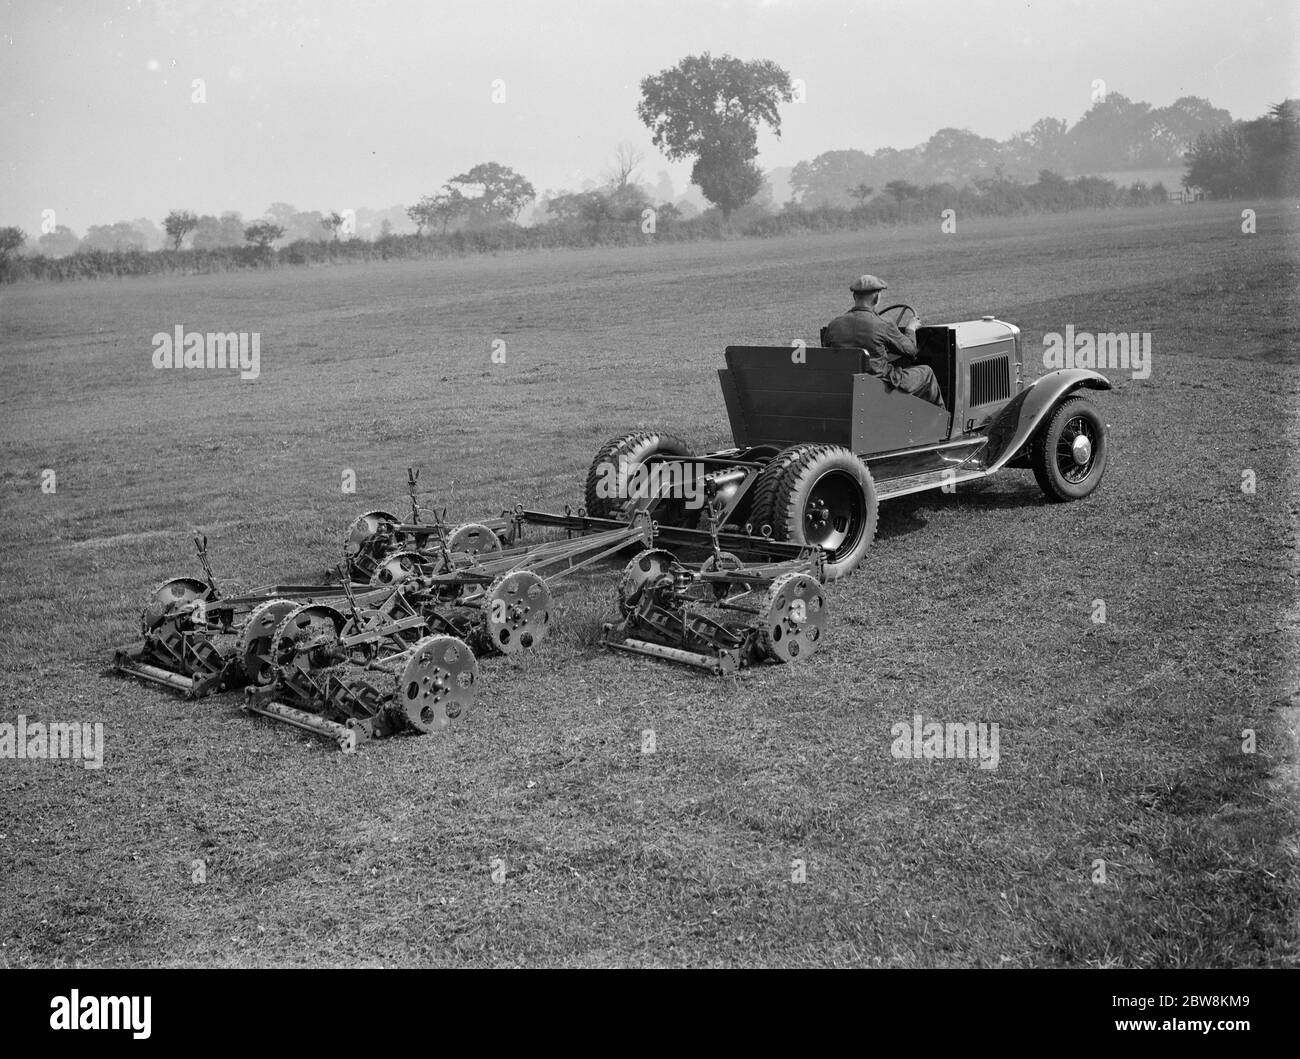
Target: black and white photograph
[(737, 484)]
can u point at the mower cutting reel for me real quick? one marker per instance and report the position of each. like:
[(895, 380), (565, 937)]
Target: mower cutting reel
[(720, 616), (185, 645), (339, 683)]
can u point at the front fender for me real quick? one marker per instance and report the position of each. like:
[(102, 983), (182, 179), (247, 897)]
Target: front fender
[(1020, 418)]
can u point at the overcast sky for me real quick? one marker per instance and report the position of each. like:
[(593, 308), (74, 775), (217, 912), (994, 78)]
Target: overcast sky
[(352, 103)]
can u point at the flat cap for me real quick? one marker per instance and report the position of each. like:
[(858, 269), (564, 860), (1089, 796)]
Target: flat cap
[(866, 284)]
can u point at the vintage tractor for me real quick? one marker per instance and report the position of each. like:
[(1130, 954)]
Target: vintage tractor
[(819, 441)]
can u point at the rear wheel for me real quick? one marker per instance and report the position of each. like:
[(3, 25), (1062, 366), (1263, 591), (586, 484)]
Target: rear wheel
[(1069, 451), (614, 478), (819, 494)]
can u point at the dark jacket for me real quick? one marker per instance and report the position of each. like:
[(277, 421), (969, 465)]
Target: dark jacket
[(863, 328)]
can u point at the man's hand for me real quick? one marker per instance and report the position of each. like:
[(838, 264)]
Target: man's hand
[(911, 327)]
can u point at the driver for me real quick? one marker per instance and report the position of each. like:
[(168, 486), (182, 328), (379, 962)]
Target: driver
[(891, 353)]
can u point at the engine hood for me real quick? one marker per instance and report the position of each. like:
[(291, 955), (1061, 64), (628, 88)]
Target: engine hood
[(983, 332)]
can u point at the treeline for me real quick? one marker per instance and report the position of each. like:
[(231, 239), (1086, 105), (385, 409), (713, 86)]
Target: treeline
[(1114, 135), (1258, 158), (594, 225)]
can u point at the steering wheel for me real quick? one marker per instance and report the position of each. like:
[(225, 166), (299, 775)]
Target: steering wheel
[(904, 310)]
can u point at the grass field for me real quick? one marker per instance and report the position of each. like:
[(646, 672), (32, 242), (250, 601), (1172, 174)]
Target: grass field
[(1120, 741)]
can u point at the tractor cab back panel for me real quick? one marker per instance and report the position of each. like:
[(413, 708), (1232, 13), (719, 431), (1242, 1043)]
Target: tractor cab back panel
[(786, 395), (782, 395)]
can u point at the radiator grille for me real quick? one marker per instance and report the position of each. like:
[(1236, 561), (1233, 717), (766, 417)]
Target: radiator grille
[(990, 380)]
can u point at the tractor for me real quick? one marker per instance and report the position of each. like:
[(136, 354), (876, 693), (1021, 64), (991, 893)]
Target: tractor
[(820, 442)]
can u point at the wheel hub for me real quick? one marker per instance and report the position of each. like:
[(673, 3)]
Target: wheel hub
[(1081, 450)]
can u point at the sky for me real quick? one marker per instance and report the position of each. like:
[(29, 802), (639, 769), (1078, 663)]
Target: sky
[(115, 110)]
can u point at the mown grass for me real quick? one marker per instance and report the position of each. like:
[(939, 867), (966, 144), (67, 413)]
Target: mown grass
[(1119, 741)]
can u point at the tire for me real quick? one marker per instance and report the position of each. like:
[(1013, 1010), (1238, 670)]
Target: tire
[(798, 495), (1054, 454), (624, 454)]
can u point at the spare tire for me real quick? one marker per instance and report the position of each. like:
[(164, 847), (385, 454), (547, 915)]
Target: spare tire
[(607, 494), (819, 494)]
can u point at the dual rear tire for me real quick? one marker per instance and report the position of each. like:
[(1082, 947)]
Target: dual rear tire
[(822, 495), (807, 494)]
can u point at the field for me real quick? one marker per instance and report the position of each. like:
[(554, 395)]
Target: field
[(210, 839)]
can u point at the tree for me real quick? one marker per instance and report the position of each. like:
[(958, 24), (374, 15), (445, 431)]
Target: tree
[(1217, 162), (667, 213), (828, 178), (1042, 146), (861, 192), (579, 207), (120, 237), (727, 177), (263, 233), (332, 222), (179, 224), (902, 190), (1176, 127), (626, 160), (214, 232), (501, 192), (297, 224), (59, 243), (627, 202), (437, 209), (153, 237), (958, 154), (11, 239), (710, 110), (1259, 157), (1115, 133)]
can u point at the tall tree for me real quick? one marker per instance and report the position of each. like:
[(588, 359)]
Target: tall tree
[(178, 225), (710, 110)]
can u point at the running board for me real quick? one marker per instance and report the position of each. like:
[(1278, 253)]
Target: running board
[(917, 483)]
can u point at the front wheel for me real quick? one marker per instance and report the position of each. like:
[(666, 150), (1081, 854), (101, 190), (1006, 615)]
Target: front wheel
[(1069, 451), (819, 494)]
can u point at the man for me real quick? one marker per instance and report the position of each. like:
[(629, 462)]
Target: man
[(891, 353)]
